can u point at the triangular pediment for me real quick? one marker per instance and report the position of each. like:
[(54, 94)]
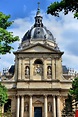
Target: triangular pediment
[(38, 48), (38, 102)]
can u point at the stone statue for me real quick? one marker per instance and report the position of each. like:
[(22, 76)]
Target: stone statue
[(49, 70), (27, 71)]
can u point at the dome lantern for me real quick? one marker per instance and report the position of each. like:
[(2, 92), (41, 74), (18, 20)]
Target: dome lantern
[(38, 18)]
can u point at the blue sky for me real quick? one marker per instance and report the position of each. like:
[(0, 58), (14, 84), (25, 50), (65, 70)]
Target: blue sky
[(22, 8), (64, 28)]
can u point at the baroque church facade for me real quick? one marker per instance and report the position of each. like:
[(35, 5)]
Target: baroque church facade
[(38, 86)]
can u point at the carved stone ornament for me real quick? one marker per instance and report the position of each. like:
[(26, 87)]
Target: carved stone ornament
[(38, 69)]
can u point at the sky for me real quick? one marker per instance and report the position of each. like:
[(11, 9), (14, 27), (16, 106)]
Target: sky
[(64, 29)]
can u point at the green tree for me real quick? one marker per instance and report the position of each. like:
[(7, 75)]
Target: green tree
[(67, 110), (72, 99), (6, 37), (3, 95), (65, 5), (74, 90)]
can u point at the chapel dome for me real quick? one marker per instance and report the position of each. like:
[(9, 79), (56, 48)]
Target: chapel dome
[(38, 31)]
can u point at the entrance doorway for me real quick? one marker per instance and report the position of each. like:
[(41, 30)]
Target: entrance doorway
[(37, 111)]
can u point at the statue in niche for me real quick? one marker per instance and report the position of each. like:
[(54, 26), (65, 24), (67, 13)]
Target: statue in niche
[(49, 70), (27, 70), (26, 107), (49, 107)]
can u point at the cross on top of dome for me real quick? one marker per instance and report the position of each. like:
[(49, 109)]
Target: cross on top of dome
[(38, 10), (38, 18)]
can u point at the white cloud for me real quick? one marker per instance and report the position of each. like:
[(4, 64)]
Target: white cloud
[(64, 29), (6, 61), (20, 26)]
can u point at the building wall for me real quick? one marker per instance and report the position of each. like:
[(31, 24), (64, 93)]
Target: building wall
[(29, 88)]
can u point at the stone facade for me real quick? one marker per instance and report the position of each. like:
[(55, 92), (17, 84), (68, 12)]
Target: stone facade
[(38, 85)]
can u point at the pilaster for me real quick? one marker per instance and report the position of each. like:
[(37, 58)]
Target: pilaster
[(45, 69), (19, 68), (53, 69), (23, 69), (31, 69)]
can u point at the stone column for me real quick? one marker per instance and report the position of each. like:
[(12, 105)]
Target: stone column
[(45, 70), (19, 68), (53, 69), (45, 106), (30, 107), (31, 69), (54, 107), (22, 106), (18, 105), (58, 107)]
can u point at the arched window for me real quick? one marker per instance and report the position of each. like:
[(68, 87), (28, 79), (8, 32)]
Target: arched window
[(38, 66), (38, 61)]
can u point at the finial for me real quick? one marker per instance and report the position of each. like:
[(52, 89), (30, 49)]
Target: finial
[(38, 18), (38, 10), (38, 5)]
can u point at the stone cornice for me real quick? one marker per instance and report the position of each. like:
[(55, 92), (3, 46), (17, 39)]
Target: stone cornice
[(42, 92), (8, 81), (52, 80), (39, 55), (58, 52)]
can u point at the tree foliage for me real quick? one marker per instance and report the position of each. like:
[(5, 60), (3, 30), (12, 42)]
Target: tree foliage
[(3, 95), (74, 90), (66, 5), (71, 99), (6, 37), (67, 110)]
